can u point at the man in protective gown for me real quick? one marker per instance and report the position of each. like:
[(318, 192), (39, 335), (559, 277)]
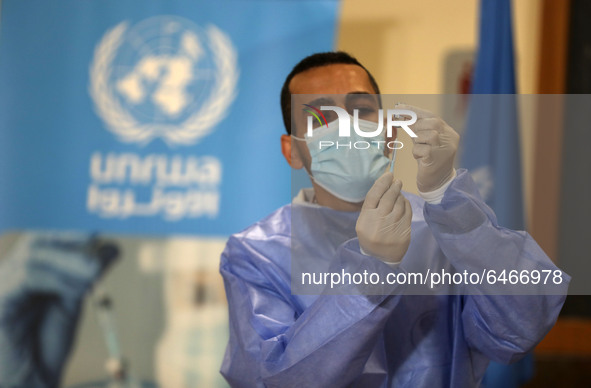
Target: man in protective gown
[(356, 220)]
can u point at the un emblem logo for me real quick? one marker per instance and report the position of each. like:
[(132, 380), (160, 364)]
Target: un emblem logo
[(163, 78)]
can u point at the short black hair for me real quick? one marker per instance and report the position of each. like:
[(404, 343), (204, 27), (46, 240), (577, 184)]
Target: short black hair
[(310, 62)]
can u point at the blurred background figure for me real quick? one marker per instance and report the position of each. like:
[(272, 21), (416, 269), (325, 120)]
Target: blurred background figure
[(44, 278)]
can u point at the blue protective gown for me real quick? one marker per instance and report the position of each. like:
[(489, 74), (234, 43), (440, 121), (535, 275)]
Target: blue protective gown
[(278, 339)]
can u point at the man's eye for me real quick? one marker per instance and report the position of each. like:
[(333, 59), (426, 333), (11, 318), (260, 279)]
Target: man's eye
[(363, 111), (318, 120), (366, 111), (330, 116)]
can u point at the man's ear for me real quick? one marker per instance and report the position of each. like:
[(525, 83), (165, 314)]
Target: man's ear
[(293, 158)]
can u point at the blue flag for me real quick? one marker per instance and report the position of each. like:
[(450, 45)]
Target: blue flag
[(150, 118), (491, 146)]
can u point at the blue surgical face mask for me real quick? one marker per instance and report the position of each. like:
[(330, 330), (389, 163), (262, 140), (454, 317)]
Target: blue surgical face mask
[(342, 169)]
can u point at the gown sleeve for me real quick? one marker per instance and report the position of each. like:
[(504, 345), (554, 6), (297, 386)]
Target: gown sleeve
[(502, 320)]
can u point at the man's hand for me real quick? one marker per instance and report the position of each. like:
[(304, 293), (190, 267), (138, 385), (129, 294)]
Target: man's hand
[(434, 149), (383, 227), (43, 281)]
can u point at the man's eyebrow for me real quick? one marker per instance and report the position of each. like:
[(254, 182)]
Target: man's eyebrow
[(355, 96), (321, 101)]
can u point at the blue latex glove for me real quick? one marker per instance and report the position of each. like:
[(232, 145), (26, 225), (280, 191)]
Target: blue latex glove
[(43, 280)]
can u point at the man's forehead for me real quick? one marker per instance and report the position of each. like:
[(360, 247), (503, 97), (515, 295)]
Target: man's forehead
[(332, 79)]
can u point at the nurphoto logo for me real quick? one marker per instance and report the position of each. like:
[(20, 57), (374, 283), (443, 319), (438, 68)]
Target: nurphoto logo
[(394, 118)]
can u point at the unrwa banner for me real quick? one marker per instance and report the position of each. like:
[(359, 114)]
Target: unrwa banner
[(150, 117)]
